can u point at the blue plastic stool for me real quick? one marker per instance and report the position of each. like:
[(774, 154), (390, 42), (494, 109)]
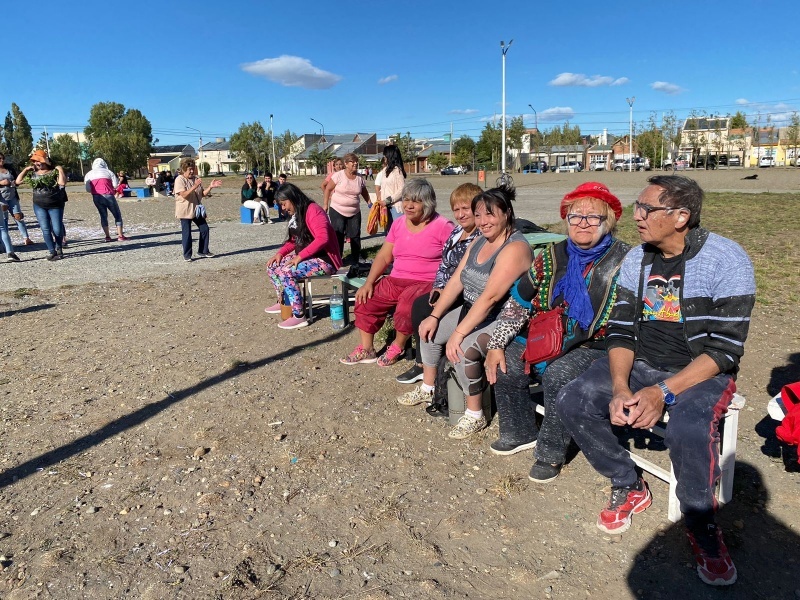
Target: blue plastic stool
[(247, 215)]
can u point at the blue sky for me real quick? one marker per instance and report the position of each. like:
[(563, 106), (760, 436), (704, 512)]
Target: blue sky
[(402, 67)]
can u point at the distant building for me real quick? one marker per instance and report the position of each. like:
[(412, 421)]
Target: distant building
[(218, 155), (168, 158)]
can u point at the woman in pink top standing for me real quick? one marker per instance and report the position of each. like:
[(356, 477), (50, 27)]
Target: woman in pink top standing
[(311, 250), (343, 206), (414, 248)]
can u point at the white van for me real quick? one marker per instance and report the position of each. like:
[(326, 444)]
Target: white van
[(766, 161)]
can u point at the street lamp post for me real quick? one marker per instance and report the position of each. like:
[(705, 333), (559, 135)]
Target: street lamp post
[(323, 129), (504, 50), (200, 149), (630, 102), (272, 139), (536, 127)]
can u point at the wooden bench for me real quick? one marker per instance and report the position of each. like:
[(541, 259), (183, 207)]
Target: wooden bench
[(729, 433)]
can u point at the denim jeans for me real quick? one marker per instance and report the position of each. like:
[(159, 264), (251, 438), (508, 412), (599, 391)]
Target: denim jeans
[(104, 204), (15, 208), (692, 432), (4, 237), (50, 222), (186, 236)]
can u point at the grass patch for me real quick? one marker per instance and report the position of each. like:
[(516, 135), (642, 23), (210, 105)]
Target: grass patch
[(765, 225), (20, 293)]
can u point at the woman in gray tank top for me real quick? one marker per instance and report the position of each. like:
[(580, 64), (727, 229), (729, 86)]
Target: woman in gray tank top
[(484, 277)]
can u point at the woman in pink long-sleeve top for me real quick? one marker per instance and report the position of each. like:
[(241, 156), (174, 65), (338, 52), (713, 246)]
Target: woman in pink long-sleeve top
[(312, 249)]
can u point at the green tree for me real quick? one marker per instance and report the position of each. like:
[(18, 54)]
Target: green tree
[(514, 133), (204, 168), (43, 142), (320, 157), (437, 160), (122, 137), (17, 135), (793, 134), (408, 149), (236, 167), (738, 121), (488, 146), (251, 145), (463, 150), (66, 152)]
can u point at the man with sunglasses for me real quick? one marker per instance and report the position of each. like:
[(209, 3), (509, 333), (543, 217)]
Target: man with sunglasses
[(675, 337)]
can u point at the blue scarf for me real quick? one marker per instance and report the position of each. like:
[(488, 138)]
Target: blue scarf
[(573, 285)]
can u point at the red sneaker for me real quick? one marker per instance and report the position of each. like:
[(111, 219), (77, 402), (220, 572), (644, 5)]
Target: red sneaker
[(616, 516), (714, 564)]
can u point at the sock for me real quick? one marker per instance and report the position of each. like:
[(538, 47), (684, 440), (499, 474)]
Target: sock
[(427, 388), (475, 414)]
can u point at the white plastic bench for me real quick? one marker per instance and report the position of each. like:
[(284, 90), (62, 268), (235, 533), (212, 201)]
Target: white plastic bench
[(729, 432)]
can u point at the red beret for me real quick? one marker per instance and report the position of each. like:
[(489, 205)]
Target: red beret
[(592, 189)]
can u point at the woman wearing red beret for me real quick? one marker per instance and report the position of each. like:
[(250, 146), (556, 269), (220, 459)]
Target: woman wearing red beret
[(579, 274)]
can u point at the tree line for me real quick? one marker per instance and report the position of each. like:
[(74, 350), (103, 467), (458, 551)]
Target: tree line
[(123, 137)]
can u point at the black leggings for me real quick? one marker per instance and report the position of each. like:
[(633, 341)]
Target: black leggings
[(420, 311)]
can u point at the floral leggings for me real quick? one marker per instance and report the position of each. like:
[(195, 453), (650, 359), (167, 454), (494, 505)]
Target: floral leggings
[(285, 277)]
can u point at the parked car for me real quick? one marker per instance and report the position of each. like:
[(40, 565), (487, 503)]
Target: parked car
[(633, 164), (766, 161), (572, 166), (722, 160), (598, 165), (533, 167), (706, 162), (734, 161), (453, 170)]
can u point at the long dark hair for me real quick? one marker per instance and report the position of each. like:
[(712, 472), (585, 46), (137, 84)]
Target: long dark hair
[(301, 234), (394, 160), (255, 183), (9, 166)]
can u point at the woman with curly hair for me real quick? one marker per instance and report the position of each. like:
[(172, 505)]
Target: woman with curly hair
[(311, 249)]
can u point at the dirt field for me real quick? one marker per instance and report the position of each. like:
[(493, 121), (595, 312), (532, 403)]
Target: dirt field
[(163, 439)]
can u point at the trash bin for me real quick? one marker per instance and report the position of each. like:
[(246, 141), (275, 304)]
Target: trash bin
[(482, 175)]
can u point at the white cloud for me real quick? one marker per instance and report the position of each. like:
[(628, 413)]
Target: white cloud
[(292, 71), (742, 101), (385, 80), (581, 80), (557, 113), (462, 111), (666, 87), (780, 114)]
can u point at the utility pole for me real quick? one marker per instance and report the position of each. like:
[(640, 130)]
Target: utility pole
[(504, 50), (272, 137), (630, 102)]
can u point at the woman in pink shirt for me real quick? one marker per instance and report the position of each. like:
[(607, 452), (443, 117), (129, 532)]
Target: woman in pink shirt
[(343, 206), (414, 249), (311, 250)]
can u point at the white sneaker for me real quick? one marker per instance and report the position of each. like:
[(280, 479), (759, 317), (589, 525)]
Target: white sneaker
[(415, 396), (466, 427)]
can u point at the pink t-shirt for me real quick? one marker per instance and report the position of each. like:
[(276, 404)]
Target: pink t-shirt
[(345, 197), (417, 255)]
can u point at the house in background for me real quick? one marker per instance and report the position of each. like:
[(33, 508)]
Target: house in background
[(218, 155), (600, 157), (422, 165), (621, 149), (363, 144), (168, 158)]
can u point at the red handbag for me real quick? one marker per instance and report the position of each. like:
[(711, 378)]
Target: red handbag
[(545, 337)]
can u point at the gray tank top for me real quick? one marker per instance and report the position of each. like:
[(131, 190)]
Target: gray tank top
[(474, 276), (8, 192)]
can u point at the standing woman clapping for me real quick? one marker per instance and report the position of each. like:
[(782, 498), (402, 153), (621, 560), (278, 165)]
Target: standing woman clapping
[(48, 183), (189, 208)]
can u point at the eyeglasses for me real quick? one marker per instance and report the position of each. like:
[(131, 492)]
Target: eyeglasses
[(649, 208), (591, 220)]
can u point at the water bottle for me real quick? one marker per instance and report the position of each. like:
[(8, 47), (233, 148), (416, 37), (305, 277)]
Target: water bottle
[(337, 310)]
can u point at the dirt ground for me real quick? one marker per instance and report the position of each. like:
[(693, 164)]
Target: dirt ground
[(163, 439)]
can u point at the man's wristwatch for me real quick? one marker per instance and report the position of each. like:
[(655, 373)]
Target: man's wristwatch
[(669, 397)]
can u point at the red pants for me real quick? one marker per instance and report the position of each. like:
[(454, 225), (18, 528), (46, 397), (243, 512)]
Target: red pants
[(391, 293)]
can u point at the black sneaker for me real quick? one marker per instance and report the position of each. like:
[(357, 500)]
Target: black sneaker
[(12, 257), (544, 472), (53, 256), (205, 254), (413, 375), (506, 449)]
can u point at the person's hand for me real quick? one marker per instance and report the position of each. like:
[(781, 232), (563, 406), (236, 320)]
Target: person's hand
[(295, 261), (495, 358), (364, 293), (617, 409), (428, 328), (198, 182), (275, 260), (215, 184), (645, 407), (453, 348)]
